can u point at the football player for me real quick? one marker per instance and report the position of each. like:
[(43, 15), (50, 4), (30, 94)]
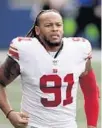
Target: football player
[(51, 68)]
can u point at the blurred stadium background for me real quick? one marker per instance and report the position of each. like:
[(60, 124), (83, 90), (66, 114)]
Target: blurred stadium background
[(81, 18)]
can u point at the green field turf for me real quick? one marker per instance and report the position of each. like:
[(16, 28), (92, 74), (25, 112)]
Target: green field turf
[(14, 94)]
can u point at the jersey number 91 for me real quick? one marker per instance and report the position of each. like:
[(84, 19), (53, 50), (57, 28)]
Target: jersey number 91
[(56, 89)]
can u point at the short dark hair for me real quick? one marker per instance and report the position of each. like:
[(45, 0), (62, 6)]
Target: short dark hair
[(31, 32)]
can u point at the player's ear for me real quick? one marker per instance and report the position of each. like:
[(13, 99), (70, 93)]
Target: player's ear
[(37, 30)]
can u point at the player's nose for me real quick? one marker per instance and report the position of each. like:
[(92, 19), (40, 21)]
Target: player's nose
[(54, 28)]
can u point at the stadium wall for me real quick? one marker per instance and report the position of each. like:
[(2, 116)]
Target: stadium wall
[(13, 23), (17, 22)]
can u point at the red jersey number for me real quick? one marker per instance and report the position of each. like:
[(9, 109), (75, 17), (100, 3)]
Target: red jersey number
[(56, 89), (78, 39), (24, 39)]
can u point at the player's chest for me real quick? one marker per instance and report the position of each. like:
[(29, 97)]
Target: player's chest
[(43, 63)]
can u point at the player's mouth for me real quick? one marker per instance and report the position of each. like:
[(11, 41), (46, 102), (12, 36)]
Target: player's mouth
[(55, 36)]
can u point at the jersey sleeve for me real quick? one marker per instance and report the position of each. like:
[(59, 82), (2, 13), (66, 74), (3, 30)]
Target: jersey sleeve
[(83, 47), (13, 51), (87, 50)]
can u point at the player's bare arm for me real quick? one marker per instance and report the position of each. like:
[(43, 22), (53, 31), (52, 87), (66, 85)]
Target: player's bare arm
[(9, 70), (90, 90)]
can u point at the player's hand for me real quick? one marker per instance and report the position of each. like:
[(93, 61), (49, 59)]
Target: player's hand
[(91, 127), (18, 119)]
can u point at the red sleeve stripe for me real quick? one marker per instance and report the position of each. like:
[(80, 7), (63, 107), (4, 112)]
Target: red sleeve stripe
[(89, 56), (14, 54), (13, 48)]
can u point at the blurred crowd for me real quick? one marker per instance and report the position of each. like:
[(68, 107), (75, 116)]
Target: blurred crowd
[(81, 17)]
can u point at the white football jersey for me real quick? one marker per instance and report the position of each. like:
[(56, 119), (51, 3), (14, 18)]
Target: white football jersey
[(49, 85)]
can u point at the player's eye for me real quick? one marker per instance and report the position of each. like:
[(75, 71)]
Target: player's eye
[(59, 24), (48, 25)]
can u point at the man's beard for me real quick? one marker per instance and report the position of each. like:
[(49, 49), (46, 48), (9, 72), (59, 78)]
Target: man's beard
[(52, 44)]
